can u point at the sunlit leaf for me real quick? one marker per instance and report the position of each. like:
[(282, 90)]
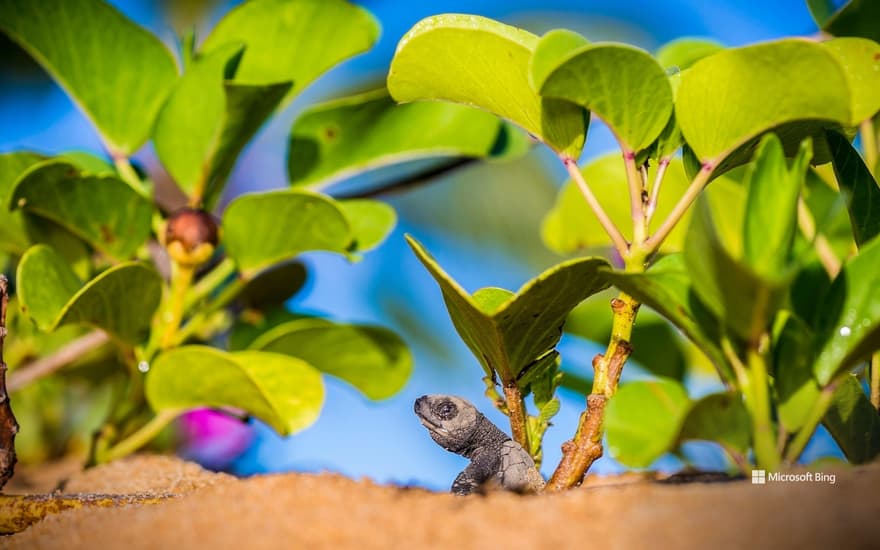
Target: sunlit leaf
[(623, 85), (285, 392), (372, 359), (280, 38), (116, 71), (735, 95), (507, 337), (435, 61)]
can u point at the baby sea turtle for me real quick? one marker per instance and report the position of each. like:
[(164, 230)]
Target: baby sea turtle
[(457, 426)]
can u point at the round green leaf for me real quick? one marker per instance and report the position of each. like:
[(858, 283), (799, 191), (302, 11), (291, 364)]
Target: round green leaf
[(436, 60), (371, 221), (719, 417), (860, 60), (103, 210), (116, 71), (121, 300), (13, 234), (285, 392), (684, 52), (623, 85), (261, 229), (281, 38), (347, 136), (643, 420), (510, 336), (372, 359), (571, 226), (731, 97)]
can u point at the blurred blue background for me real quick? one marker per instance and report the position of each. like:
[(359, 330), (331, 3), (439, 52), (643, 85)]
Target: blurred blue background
[(481, 223)]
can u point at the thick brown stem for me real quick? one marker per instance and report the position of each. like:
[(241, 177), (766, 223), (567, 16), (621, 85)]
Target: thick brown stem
[(516, 411), (586, 447), (8, 425)]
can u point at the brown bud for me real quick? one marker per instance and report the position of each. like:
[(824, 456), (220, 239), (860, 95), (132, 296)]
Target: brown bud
[(191, 236)]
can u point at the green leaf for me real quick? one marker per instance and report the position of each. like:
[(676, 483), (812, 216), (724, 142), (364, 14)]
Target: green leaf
[(509, 337), (247, 108), (13, 233), (571, 226), (435, 61), (719, 417), (732, 97), (261, 229), (551, 50), (681, 53), (770, 220), (372, 359), (103, 210), (293, 40), (858, 187), (247, 328), (849, 318), (344, 137), (623, 85), (121, 300), (667, 288), (853, 18), (285, 392), (371, 221), (186, 131), (118, 73), (273, 286), (860, 60), (742, 300), (853, 422), (643, 420), (796, 388)]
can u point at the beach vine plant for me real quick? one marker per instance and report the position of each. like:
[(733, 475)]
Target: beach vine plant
[(747, 269)]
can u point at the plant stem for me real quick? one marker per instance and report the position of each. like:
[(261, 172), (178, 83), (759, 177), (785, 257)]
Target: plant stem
[(44, 366), (874, 367), (805, 433), (655, 189), (208, 284), (764, 437), (617, 238), (516, 411), (823, 248), (636, 200), (198, 320), (690, 195), (586, 447), (139, 438), (128, 174), (869, 144), (171, 310)]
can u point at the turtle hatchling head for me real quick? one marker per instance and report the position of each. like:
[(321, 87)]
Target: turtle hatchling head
[(451, 421)]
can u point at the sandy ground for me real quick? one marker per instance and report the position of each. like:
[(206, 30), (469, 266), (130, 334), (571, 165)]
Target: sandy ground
[(330, 511)]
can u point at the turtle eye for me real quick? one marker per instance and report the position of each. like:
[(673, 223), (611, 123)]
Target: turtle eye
[(446, 410)]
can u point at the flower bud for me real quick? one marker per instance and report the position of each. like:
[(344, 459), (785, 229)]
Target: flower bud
[(191, 235)]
